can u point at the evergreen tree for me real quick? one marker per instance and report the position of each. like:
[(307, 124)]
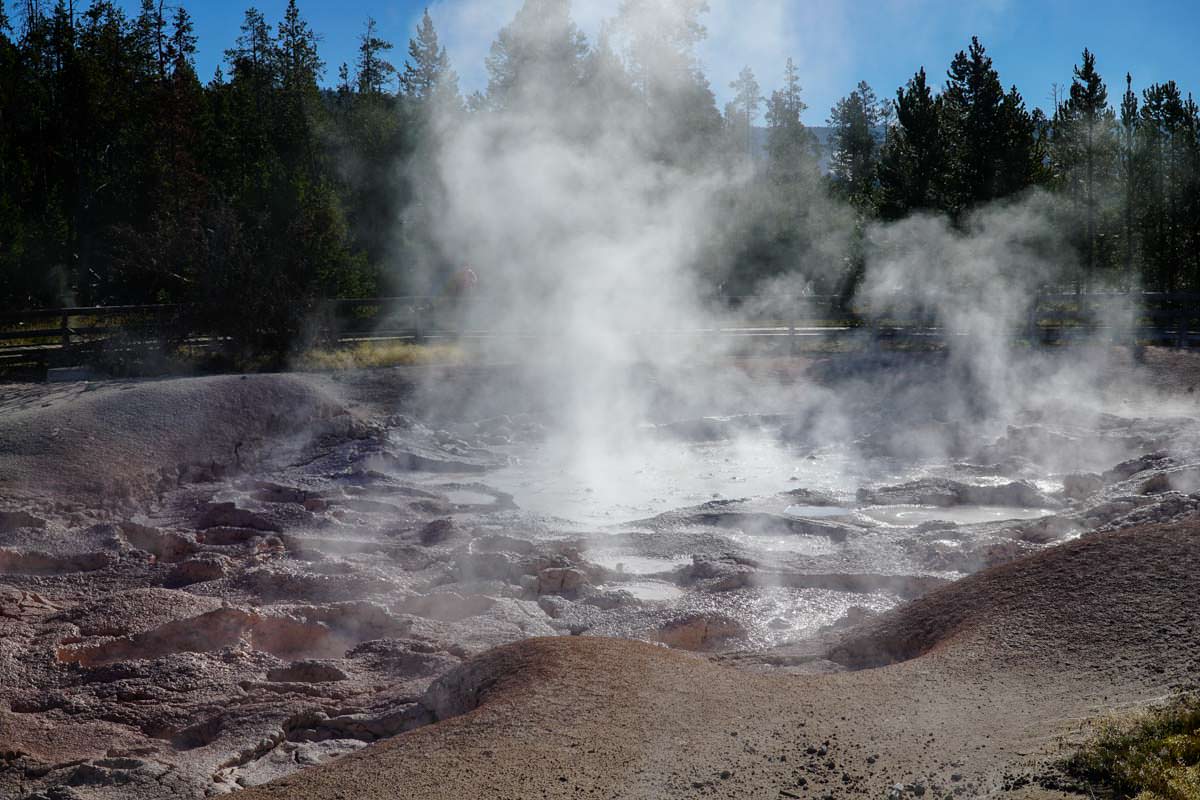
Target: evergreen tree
[(298, 65), (606, 82), (537, 59), (662, 37), (1022, 156), (853, 162), (427, 74), (791, 147), (777, 226), (990, 136), (373, 70), (746, 102), (1168, 127), (913, 162), (1083, 148), (1129, 169), (150, 40)]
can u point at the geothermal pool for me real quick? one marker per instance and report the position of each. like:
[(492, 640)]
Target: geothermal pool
[(643, 513), (599, 487)]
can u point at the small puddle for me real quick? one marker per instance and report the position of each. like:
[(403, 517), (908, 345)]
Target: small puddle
[(648, 591), (790, 544), (904, 516), (638, 565), (466, 497)]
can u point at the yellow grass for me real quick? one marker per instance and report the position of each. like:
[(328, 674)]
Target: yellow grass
[(381, 354)]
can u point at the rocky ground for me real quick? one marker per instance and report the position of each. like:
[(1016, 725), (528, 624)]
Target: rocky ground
[(210, 584)]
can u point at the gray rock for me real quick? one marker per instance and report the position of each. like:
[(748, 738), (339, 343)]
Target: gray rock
[(308, 671), (561, 580), (207, 567)]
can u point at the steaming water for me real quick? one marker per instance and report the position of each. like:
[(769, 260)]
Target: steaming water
[(812, 546), (909, 515), (776, 615), (637, 565), (612, 488), (649, 591), (604, 488), (465, 497)]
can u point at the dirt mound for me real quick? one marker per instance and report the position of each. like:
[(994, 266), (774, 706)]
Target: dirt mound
[(1064, 599), (1011, 657), (122, 439)]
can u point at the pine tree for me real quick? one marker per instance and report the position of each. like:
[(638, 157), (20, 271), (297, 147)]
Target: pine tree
[(373, 70), (791, 147), (1129, 168), (1021, 160), (662, 35), (299, 67), (1083, 146), (252, 59), (913, 163), (1190, 194), (297, 61), (607, 84), (150, 38), (746, 102), (989, 134), (1169, 164), (538, 58), (427, 74), (855, 148)]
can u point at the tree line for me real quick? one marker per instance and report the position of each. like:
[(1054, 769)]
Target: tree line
[(126, 178), (1127, 178)]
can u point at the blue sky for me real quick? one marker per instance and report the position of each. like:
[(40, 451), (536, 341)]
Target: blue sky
[(836, 43)]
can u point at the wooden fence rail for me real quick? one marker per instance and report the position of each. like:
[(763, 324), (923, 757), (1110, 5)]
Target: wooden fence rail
[(56, 336)]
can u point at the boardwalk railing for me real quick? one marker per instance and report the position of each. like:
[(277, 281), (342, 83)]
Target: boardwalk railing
[(66, 335)]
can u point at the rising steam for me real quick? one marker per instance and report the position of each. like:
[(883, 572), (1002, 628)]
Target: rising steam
[(591, 239)]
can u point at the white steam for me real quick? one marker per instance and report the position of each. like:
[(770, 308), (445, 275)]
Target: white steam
[(590, 247)]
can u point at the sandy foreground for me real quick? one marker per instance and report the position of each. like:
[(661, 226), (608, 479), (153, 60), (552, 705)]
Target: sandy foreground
[(209, 584), (1013, 663)]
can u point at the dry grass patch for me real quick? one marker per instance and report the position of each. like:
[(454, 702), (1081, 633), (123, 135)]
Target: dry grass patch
[(381, 354), (1154, 755)]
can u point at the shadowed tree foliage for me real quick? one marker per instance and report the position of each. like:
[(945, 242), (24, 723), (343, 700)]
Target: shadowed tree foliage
[(744, 109), (992, 150), (853, 163), (662, 36), (1082, 149), (1129, 171), (427, 75), (912, 166), (537, 57), (1169, 126), (374, 71), (250, 198)]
